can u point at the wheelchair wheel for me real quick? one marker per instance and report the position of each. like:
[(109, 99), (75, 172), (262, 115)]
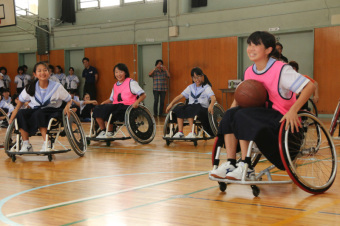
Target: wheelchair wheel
[(140, 124), (215, 118), (11, 139), (166, 128), (309, 155), (75, 133), (312, 108), (3, 126), (335, 121)]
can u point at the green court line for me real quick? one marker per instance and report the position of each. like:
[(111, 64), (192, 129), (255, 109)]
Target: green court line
[(102, 196)]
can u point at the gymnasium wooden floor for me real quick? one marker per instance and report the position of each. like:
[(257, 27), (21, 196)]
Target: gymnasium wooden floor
[(132, 184)]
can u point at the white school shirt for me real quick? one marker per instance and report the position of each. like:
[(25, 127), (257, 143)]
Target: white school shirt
[(8, 101), (72, 82), (198, 95), (134, 88), (22, 80), (2, 84), (290, 80), (61, 78), (53, 96), (7, 80), (10, 107)]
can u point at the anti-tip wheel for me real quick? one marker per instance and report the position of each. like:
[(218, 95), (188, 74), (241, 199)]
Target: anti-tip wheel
[(256, 190), (223, 186)]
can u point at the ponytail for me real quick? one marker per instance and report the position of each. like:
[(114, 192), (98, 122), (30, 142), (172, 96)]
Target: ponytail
[(30, 87)]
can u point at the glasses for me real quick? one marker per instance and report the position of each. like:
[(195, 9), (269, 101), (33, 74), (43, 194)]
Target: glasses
[(197, 77)]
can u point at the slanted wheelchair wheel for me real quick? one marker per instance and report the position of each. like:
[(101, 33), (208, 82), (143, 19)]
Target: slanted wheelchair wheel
[(309, 156), (166, 128), (11, 138), (75, 133), (215, 118), (312, 107), (3, 126), (335, 119), (140, 124)]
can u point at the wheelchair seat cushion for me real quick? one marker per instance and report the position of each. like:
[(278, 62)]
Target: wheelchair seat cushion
[(32, 119), (104, 111)]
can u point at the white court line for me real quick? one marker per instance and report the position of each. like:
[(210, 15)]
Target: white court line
[(103, 195)]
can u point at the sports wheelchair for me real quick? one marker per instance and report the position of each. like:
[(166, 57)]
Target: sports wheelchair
[(171, 127), (335, 122), (57, 127), (139, 122), (308, 156)]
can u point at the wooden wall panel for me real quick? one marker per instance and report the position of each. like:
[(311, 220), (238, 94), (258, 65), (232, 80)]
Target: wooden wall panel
[(104, 59), (11, 62), (57, 57), (327, 67), (216, 57)]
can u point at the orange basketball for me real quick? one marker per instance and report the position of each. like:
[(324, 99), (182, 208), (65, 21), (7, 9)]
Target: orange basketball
[(250, 93)]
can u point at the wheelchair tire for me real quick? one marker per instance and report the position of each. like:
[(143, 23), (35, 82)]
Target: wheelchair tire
[(75, 133), (335, 119), (309, 156), (140, 124), (166, 128), (11, 139), (216, 117)]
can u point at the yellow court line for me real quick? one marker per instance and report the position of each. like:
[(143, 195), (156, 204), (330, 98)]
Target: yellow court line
[(309, 212)]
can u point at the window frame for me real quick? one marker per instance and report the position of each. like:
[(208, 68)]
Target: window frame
[(122, 3)]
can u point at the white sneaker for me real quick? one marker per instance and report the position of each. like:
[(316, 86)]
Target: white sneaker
[(178, 135), (101, 134), (222, 170), (191, 135), (43, 147), (238, 172), (110, 134), (26, 148)]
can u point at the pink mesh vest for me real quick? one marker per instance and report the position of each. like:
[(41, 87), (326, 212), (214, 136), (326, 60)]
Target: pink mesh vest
[(122, 93), (270, 80)]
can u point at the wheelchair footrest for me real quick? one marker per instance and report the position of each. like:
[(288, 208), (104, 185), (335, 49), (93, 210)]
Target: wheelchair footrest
[(249, 182), (107, 139), (188, 139), (38, 152)]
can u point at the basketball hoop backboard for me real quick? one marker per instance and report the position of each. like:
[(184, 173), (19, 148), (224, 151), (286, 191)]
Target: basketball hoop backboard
[(7, 13)]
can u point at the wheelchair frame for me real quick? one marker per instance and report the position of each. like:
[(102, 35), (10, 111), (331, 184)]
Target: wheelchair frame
[(54, 131), (118, 126), (335, 122), (169, 129), (288, 158)]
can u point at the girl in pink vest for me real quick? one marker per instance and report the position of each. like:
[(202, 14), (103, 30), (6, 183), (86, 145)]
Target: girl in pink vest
[(239, 125), (124, 94)]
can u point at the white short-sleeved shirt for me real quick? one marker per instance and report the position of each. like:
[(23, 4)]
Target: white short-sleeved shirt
[(134, 87), (61, 78), (10, 107), (22, 80), (8, 101), (290, 80), (52, 96), (198, 95), (72, 82), (2, 84)]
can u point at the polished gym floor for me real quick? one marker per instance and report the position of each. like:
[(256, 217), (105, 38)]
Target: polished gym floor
[(132, 184)]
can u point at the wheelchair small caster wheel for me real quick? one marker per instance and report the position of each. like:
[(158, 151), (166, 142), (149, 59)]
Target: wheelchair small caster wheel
[(13, 158), (195, 143), (88, 142), (223, 186), (256, 190), (50, 158), (168, 142), (108, 143)]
